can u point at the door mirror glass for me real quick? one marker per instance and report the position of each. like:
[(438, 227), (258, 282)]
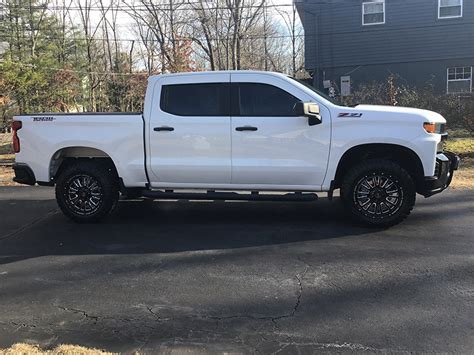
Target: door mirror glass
[(310, 110)]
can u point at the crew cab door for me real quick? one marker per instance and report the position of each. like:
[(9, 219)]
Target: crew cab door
[(271, 146), (189, 135)]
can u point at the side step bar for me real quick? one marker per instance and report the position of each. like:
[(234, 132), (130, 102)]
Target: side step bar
[(212, 195)]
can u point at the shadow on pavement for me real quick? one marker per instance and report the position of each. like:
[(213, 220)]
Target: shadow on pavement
[(146, 227), (168, 226)]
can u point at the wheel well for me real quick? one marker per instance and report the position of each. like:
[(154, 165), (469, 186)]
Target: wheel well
[(403, 156), (70, 155)]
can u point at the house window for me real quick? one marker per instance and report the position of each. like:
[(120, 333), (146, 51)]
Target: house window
[(373, 12), (449, 8), (459, 80)]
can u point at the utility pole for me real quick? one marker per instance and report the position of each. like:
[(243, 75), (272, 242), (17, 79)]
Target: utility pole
[(130, 56)]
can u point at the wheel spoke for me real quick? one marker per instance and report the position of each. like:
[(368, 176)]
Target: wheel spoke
[(366, 185), (377, 180)]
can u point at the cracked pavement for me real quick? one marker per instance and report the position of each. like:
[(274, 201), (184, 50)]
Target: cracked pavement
[(237, 277)]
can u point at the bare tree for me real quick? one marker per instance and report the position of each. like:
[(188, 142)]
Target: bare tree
[(62, 15), (35, 23), (295, 31), (166, 24), (220, 29), (148, 49), (90, 30)]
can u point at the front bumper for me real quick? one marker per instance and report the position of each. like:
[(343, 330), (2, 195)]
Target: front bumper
[(24, 174), (446, 163)]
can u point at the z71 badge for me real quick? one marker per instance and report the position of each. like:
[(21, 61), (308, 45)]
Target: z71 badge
[(43, 119), (347, 114)]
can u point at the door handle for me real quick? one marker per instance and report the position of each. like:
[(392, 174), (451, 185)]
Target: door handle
[(246, 128), (163, 128)]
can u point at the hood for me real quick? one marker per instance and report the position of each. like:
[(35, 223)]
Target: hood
[(406, 112)]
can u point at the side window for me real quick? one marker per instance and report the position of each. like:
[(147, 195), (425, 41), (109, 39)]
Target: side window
[(264, 100), (207, 99)]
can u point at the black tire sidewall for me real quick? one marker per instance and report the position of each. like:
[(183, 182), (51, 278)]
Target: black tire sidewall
[(383, 167), (102, 175)]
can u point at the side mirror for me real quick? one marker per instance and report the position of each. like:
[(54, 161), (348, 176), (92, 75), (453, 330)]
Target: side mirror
[(310, 110)]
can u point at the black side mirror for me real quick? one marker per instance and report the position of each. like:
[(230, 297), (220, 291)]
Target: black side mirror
[(310, 110)]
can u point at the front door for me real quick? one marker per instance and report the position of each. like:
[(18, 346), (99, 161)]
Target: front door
[(189, 135), (271, 146)]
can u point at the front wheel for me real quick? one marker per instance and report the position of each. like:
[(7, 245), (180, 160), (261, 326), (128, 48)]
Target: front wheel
[(86, 191), (378, 192)]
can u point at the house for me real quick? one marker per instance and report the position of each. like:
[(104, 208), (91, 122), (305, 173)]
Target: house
[(349, 42)]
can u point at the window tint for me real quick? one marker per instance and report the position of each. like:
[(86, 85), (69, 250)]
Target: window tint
[(264, 100), (209, 99)]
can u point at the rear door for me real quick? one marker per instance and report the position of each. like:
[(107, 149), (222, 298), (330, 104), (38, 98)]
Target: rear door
[(271, 146), (190, 141)]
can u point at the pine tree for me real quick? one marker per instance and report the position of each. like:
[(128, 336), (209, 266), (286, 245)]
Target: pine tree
[(39, 68)]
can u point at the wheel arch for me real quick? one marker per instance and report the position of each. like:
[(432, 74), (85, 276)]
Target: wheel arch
[(403, 156), (71, 154)]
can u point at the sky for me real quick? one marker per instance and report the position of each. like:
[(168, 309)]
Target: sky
[(126, 22)]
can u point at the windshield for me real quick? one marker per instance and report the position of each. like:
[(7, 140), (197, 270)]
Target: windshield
[(320, 93)]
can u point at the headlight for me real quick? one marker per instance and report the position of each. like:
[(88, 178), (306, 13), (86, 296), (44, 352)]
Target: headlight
[(438, 128)]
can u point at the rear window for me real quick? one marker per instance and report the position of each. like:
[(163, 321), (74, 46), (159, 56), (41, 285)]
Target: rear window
[(206, 99)]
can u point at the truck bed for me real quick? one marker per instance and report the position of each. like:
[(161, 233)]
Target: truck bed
[(45, 136)]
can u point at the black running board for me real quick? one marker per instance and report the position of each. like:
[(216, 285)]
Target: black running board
[(212, 195)]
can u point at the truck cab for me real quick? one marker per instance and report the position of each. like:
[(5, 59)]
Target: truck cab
[(234, 130)]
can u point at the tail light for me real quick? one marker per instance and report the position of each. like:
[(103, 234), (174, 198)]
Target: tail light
[(16, 125)]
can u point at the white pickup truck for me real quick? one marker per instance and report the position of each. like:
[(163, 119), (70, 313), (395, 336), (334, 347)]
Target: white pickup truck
[(237, 135)]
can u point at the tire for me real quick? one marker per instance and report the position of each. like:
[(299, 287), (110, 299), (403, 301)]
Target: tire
[(87, 191), (378, 193)]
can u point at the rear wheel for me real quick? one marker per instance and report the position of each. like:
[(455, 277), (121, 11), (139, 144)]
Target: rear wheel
[(87, 191), (378, 192)]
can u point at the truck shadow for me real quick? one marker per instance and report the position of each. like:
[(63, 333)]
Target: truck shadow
[(169, 226), (154, 227)]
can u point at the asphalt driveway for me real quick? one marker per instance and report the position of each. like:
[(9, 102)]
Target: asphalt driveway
[(237, 277)]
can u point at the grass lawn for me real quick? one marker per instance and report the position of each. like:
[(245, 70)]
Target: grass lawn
[(22, 349), (5, 143), (6, 159), (6, 151), (464, 147)]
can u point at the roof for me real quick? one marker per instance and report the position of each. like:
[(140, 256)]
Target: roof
[(197, 73)]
